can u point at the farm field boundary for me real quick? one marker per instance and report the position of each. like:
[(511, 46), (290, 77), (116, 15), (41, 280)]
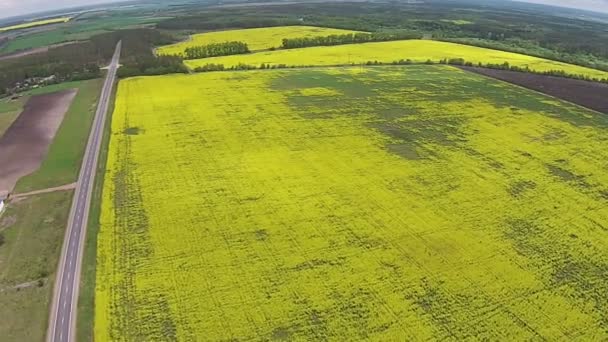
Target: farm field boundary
[(414, 202), (25, 144), (256, 38), (418, 51), (62, 163), (592, 95)]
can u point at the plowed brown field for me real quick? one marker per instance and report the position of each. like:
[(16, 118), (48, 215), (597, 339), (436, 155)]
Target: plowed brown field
[(592, 95), (25, 144)]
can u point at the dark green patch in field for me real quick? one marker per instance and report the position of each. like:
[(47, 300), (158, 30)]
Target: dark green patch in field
[(261, 235), (160, 325), (588, 279), (567, 176), (550, 252), (518, 188), (524, 235), (486, 159), (316, 263), (438, 308), (345, 84), (132, 131), (317, 326), (131, 226), (281, 334), (564, 174), (392, 103), (353, 307), (554, 135), (411, 135), (407, 150)]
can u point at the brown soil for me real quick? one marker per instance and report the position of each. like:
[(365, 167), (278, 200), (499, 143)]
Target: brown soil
[(25, 144), (592, 95)]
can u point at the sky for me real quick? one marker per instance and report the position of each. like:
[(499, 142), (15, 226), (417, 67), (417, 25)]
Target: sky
[(592, 5), (9, 8)]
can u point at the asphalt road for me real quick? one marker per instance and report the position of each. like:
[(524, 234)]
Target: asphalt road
[(62, 322)]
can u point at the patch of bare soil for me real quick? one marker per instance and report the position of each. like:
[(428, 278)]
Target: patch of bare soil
[(25, 144), (592, 95)]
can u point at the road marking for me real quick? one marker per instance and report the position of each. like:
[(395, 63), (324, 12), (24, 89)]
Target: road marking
[(78, 223)]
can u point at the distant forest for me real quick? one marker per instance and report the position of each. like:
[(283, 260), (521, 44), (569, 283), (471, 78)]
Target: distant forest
[(82, 60), (522, 28), (531, 31)]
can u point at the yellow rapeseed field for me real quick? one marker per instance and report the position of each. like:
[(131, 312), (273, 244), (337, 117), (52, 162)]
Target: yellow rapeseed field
[(35, 23), (387, 52), (256, 39), (347, 204)]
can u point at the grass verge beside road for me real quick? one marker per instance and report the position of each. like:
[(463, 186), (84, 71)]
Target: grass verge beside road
[(33, 231), (86, 299)]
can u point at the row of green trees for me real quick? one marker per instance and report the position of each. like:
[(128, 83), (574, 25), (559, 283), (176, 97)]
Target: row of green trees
[(451, 61), (526, 69), (348, 38), (542, 34), (152, 65), (216, 49), (82, 60), (241, 66)]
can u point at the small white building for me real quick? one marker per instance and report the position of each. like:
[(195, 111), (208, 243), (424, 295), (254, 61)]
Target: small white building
[(3, 201)]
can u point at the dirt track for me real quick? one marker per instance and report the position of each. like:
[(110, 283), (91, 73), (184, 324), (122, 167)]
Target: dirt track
[(592, 95), (25, 144)]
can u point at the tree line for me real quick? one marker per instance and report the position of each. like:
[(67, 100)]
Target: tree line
[(82, 60), (496, 26), (525, 69), (348, 38), (216, 49), (452, 61)]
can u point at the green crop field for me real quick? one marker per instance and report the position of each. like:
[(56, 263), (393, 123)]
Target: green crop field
[(9, 111), (384, 203), (74, 31)]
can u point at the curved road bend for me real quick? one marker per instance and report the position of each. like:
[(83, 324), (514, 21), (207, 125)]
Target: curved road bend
[(62, 322)]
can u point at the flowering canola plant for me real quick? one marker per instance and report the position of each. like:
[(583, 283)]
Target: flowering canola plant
[(388, 203), (256, 38), (388, 52)]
